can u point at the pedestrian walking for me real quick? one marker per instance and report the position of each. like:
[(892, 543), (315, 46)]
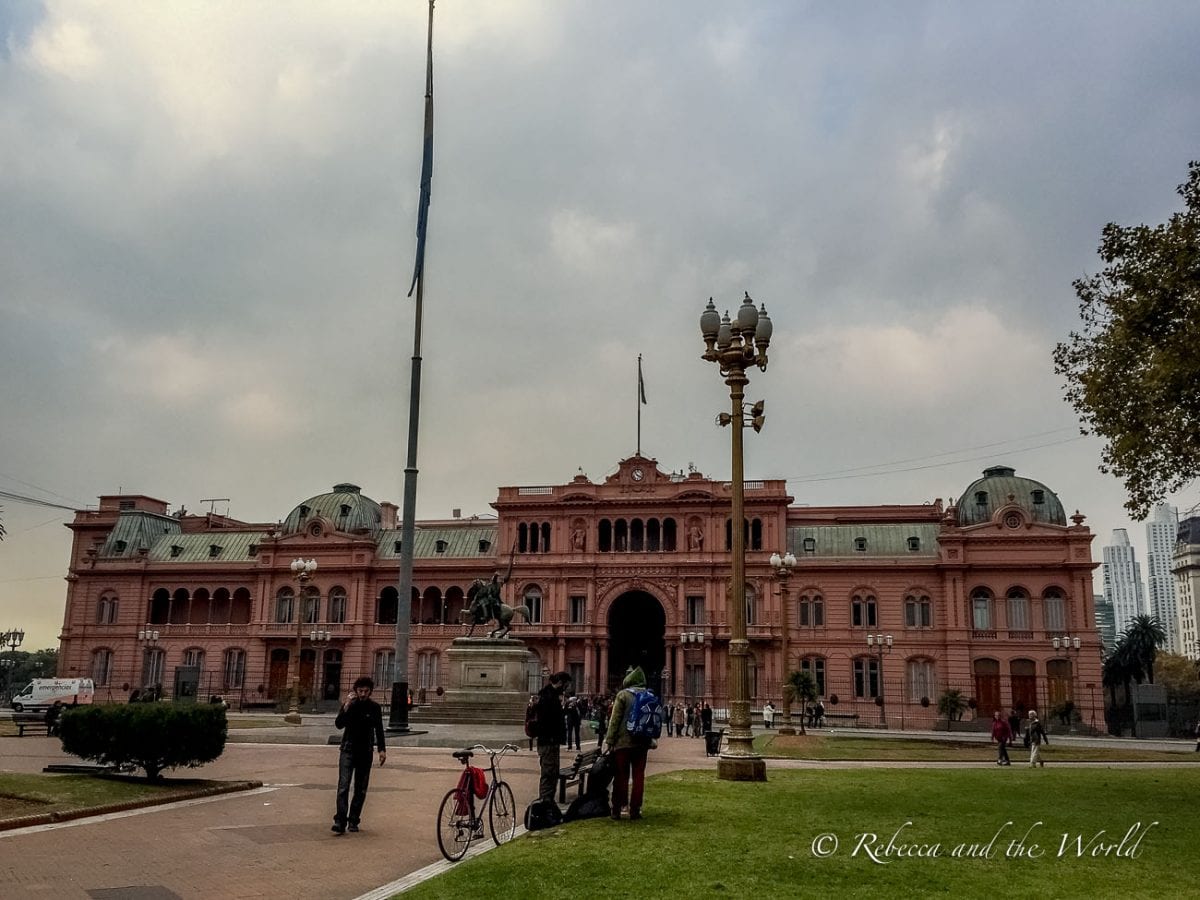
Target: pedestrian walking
[(768, 714), (1035, 735), (1002, 736), (361, 722), (680, 716), (574, 721)]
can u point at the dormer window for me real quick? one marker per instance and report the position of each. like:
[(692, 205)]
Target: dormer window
[(441, 546), (810, 545), (120, 546), (345, 510), (175, 550), (981, 498), (485, 545), (860, 545), (214, 550), (914, 544), (398, 546), (1039, 498), (252, 550), (304, 511)]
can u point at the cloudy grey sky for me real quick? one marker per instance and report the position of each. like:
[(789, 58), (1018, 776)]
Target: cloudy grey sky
[(207, 233)]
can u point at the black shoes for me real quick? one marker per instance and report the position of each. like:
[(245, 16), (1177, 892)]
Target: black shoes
[(353, 827), (635, 814), (339, 829)]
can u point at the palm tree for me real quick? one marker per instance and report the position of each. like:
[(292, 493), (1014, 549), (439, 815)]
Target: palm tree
[(1144, 635), (951, 704), (801, 685)]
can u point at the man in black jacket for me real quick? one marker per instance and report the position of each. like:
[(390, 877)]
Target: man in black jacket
[(362, 719), (551, 732)]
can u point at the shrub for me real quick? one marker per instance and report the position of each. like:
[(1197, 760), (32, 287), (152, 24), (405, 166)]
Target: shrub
[(152, 736)]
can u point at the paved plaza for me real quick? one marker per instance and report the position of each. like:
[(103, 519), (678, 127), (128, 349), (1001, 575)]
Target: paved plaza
[(275, 841)]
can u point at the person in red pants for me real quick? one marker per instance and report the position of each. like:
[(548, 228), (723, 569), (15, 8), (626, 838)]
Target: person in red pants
[(629, 750)]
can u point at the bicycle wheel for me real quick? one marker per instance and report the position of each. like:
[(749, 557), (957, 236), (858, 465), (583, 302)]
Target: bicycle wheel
[(502, 813), (454, 831)]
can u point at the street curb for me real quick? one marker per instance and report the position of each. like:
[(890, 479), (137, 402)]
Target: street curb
[(66, 815)]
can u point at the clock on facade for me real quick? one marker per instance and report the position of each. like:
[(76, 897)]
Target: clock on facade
[(637, 474)]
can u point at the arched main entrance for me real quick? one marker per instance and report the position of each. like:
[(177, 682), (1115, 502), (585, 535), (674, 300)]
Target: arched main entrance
[(637, 628)]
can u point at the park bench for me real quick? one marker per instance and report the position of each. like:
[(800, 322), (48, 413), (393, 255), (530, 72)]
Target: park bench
[(34, 721), (576, 773)]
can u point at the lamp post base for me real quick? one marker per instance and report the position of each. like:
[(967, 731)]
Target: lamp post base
[(742, 768), (293, 718), (787, 729)]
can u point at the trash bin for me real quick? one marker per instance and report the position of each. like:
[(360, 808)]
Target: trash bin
[(712, 742)]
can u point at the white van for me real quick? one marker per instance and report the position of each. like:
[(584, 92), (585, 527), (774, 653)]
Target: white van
[(41, 693)]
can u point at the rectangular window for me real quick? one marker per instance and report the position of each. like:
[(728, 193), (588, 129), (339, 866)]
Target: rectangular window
[(194, 657), (312, 608), (981, 612), (576, 670), (578, 610), (283, 609), (534, 602), (1018, 613), (695, 610), (920, 681), (693, 683), (235, 669), (918, 613)]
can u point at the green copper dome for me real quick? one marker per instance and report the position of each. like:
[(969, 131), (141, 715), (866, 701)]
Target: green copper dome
[(985, 495), (345, 506)]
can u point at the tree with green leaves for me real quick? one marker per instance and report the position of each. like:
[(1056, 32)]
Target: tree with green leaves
[(1132, 372), (952, 704), (1143, 636), (800, 686)]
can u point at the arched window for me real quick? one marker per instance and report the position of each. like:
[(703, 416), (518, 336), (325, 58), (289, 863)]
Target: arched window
[(428, 676), (337, 604), (545, 537), (155, 665), (920, 680), (981, 609), (866, 678), (815, 666), (106, 609), (102, 666), (653, 535), (605, 536), (1018, 609), (621, 536), (285, 606), (637, 536), (751, 605), (160, 607), (532, 597), (312, 605), (810, 611), (863, 612), (918, 611), (233, 667), (1054, 612), (384, 670), (386, 606), (756, 532), (523, 538)]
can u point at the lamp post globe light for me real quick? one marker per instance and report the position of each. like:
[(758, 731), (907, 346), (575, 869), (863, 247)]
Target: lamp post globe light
[(302, 570), (319, 637), (12, 640), (734, 346), (880, 644), (1066, 646), (782, 565)]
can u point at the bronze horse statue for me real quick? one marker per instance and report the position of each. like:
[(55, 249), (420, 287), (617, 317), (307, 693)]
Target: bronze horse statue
[(486, 606)]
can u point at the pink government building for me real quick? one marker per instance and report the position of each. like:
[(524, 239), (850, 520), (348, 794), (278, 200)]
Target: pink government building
[(886, 606)]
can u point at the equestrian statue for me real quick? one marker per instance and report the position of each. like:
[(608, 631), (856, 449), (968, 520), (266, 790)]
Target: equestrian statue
[(486, 605)]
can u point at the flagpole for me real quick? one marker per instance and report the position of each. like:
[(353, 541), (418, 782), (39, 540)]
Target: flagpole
[(398, 712), (640, 394)]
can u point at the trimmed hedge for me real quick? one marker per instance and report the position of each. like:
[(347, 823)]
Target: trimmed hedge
[(152, 736)]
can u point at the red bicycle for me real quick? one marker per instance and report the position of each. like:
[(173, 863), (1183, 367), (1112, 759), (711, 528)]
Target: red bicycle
[(461, 815)]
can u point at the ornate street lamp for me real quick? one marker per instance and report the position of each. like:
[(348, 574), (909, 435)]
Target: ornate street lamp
[(148, 639), (11, 639), (783, 568), (735, 345), (302, 570), (879, 644), (1066, 646), (319, 638)]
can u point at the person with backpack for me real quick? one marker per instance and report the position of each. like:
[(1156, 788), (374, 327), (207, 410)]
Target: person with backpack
[(550, 729), (632, 729), (1035, 735)]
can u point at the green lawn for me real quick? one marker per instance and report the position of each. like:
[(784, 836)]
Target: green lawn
[(820, 746), (806, 833), (31, 795)]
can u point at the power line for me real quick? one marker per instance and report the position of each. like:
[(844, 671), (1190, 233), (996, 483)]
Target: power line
[(34, 501), (953, 462)]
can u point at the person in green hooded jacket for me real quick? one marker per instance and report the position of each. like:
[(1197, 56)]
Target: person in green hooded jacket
[(629, 750)]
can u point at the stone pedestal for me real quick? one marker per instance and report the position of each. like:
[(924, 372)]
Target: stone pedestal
[(488, 682)]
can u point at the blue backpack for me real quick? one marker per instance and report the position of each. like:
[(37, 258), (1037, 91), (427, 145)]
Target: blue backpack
[(645, 714)]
